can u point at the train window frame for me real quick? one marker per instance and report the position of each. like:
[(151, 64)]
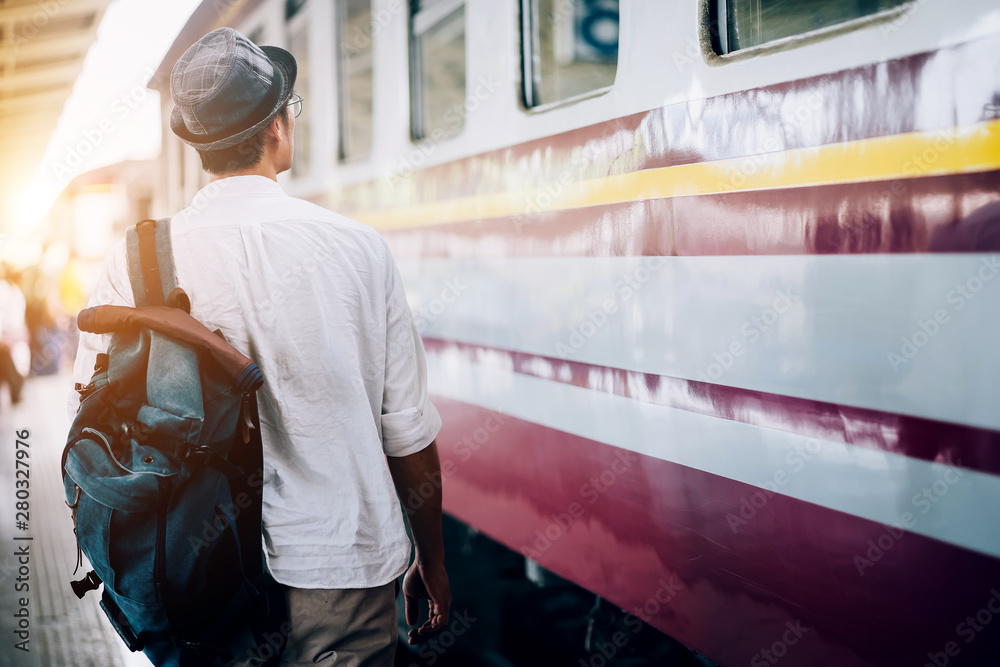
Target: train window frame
[(422, 21), (257, 35), (344, 156), (530, 48), (711, 35), (181, 173), (303, 170), (293, 7)]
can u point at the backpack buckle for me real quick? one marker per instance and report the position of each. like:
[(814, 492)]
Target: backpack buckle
[(91, 582), (131, 432), (216, 460)]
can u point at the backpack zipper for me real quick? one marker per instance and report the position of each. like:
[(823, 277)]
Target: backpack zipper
[(246, 421), (160, 553), (107, 445), (77, 492)]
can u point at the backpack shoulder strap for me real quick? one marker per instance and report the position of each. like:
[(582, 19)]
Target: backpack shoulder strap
[(150, 261)]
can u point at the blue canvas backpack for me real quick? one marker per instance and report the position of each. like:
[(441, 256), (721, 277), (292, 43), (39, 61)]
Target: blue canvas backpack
[(163, 473)]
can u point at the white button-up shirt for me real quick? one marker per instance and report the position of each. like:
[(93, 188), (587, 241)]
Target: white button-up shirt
[(316, 300)]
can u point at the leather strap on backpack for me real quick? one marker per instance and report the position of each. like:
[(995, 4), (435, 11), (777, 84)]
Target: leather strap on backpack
[(147, 259), (249, 457), (150, 262)]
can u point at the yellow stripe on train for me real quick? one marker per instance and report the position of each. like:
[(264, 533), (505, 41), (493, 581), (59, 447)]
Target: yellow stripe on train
[(973, 148)]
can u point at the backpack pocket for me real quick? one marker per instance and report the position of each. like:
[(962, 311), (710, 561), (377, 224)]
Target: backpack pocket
[(92, 466)]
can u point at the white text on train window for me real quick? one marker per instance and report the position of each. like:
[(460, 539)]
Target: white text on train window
[(568, 48)]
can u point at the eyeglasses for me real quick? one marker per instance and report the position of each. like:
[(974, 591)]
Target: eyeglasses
[(295, 104)]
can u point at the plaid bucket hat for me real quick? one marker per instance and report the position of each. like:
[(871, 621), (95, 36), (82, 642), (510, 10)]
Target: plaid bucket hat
[(225, 88)]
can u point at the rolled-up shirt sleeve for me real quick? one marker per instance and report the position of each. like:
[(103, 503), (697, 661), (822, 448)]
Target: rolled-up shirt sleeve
[(410, 421)]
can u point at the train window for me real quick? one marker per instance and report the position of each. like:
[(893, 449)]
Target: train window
[(256, 35), (437, 60), (569, 47), (741, 24), (354, 23), (292, 8), (181, 170), (298, 43)]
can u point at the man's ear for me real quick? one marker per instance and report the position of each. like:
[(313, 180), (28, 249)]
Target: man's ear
[(277, 129)]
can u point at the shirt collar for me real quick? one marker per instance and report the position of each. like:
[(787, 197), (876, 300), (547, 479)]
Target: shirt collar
[(239, 186)]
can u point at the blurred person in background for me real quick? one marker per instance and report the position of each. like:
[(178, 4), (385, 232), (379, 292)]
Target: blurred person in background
[(45, 316), (14, 353), (74, 289)]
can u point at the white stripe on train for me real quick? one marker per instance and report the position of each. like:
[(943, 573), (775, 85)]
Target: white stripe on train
[(908, 334), (931, 499)]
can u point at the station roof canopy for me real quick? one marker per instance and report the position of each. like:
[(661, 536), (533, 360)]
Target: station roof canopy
[(209, 15), (42, 47)]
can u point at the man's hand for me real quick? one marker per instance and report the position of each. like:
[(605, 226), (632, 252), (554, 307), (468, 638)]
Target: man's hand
[(429, 581), (426, 578)]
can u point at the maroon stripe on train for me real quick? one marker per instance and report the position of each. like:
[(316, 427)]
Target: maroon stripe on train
[(950, 87), (940, 442), (632, 528), (878, 217)]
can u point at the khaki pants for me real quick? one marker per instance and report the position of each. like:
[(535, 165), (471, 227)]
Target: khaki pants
[(353, 627), (346, 628)]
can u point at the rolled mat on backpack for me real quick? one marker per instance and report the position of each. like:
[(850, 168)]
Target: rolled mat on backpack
[(180, 326)]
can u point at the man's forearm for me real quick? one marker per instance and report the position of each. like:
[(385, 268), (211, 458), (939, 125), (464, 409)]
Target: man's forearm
[(412, 476)]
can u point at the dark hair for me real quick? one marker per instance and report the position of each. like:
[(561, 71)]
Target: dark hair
[(243, 155)]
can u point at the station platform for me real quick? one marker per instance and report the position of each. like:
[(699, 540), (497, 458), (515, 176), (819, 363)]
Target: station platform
[(63, 631)]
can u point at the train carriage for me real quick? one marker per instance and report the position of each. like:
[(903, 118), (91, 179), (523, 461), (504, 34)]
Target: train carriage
[(671, 264)]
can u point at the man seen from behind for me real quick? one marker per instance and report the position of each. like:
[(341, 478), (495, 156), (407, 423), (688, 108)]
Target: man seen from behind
[(316, 300)]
